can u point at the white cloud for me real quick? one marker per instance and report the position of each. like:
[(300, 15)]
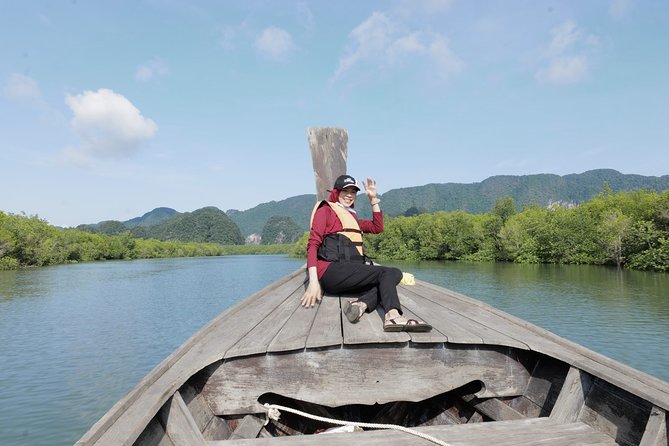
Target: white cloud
[(379, 40), (370, 39), (564, 70), (275, 43), (441, 54), (151, 69), (564, 38), (566, 57), (618, 9), (108, 125), (230, 35), (305, 16), (21, 88)]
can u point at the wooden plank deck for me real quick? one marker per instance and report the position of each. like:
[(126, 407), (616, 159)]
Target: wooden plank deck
[(272, 322), (501, 433)]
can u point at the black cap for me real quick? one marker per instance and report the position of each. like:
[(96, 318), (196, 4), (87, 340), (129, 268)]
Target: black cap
[(346, 181)]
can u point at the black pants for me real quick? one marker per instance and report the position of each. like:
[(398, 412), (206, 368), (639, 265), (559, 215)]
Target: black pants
[(377, 283)]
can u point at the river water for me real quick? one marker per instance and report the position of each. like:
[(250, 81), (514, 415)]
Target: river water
[(75, 338)]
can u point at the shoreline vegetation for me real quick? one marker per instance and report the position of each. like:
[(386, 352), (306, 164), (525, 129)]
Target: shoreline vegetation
[(624, 229), (32, 242)]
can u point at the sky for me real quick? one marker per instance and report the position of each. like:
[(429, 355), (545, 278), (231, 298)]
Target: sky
[(109, 109)]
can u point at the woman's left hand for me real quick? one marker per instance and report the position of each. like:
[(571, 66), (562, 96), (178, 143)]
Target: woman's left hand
[(370, 188)]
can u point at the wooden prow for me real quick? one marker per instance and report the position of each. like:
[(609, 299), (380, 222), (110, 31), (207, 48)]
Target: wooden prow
[(329, 151)]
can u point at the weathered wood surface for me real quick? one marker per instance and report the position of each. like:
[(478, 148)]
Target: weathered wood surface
[(249, 427), (502, 433), (493, 408), (261, 336), (537, 339), (381, 375), (329, 150), (179, 423), (326, 329), (657, 430), (272, 321), (572, 397)]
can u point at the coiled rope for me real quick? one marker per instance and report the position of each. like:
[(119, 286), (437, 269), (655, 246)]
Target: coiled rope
[(273, 413)]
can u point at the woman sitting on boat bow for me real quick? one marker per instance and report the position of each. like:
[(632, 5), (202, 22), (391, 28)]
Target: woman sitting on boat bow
[(337, 263)]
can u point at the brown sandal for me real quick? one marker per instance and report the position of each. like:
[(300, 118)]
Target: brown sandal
[(392, 325), (416, 325), (353, 311)]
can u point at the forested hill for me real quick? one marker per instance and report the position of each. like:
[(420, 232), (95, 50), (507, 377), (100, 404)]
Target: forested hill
[(252, 221), (541, 189)]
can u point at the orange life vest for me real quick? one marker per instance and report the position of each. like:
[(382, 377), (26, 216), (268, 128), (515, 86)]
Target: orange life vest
[(350, 230)]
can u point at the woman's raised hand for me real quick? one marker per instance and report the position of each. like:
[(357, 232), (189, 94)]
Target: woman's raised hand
[(370, 188)]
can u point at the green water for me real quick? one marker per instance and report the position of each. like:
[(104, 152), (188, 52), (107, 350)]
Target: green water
[(74, 339)]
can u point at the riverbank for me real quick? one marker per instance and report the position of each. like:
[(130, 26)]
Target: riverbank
[(627, 229), (30, 241)]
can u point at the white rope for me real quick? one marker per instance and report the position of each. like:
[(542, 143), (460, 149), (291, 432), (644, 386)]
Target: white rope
[(274, 414)]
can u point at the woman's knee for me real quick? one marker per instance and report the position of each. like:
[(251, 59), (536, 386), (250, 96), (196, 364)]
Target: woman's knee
[(393, 274)]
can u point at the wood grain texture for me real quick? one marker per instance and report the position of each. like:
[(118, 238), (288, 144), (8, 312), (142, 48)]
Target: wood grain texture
[(485, 327), (538, 339), (571, 400), (326, 331), (442, 320), (154, 435), (329, 151), (529, 432), (294, 333), (493, 408), (618, 414), (656, 433), (360, 376), (179, 423), (249, 427)]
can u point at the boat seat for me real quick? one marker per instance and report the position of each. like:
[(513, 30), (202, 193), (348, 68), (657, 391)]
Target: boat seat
[(500, 433)]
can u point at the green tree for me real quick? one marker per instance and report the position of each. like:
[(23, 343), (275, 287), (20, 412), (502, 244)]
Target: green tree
[(614, 228), (504, 208)]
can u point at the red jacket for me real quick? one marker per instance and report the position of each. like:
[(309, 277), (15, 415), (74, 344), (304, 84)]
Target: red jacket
[(326, 222)]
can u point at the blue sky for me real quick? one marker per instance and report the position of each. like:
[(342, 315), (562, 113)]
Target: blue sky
[(109, 109)]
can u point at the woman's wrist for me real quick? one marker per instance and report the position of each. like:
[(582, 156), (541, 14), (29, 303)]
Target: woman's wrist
[(375, 200)]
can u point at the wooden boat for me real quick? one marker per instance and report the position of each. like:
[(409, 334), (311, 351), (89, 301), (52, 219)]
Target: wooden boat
[(480, 376)]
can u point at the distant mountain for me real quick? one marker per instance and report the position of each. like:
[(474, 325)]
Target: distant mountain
[(279, 230), (541, 189), (253, 220), (206, 225), (158, 215), (475, 198)]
